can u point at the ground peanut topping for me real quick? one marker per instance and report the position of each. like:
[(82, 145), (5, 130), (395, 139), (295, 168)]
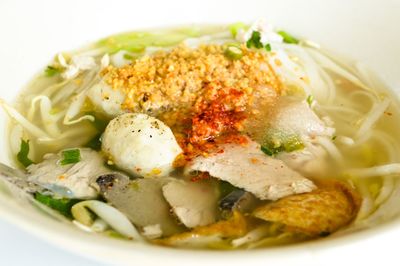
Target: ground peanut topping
[(166, 80)]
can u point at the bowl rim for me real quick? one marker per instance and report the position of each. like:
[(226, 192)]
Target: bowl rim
[(88, 244)]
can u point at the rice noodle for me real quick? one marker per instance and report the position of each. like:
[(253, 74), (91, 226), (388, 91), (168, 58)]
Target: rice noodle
[(332, 150), (99, 225), (67, 134), (381, 170), (15, 142), (385, 191), (34, 130), (372, 117), (108, 214), (75, 108), (345, 140), (367, 205), (327, 63), (48, 120), (53, 88), (89, 79), (321, 85), (252, 236)]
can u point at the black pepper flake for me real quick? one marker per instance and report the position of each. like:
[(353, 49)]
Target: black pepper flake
[(146, 97)]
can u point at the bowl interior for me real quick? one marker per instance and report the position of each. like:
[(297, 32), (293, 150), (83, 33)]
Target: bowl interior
[(366, 31)]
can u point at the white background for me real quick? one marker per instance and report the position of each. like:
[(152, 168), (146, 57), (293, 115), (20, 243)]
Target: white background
[(20, 248)]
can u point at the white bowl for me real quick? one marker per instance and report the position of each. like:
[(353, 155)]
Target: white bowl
[(33, 31)]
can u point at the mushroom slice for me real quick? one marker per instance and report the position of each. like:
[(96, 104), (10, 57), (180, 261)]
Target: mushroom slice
[(194, 203), (141, 200), (320, 212), (239, 200)]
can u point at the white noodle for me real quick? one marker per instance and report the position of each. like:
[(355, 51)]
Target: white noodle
[(326, 62), (48, 120), (99, 225), (51, 89), (75, 108), (252, 236), (109, 214), (375, 171), (34, 130), (367, 205), (15, 141), (372, 117), (385, 191), (345, 140), (320, 82), (328, 145)]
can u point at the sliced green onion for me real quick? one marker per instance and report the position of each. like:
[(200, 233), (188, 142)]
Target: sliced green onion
[(268, 151), (70, 156), (234, 28), (292, 143), (61, 205), (128, 57), (268, 47), (23, 153), (310, 100), (51, 71), (233, 52), (287, 38), (281, 143)]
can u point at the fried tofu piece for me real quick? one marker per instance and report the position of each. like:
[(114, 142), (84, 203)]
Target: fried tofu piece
[(323, 211), (236, 226)]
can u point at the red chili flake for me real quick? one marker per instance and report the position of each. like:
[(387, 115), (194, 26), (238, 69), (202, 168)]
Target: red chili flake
[(221, 111)]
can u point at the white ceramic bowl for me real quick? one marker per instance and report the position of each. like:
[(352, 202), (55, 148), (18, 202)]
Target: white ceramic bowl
[(33, 31)]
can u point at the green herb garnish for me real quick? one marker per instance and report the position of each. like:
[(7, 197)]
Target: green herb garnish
[(23, 153), (234, 52), (287, 38), (70, 156), (61, 205), (310, 100), (255, 40), (334, 137), (128, 57), (292, 143), (51, 71), (279, 142), (268, 151), (234, 28)]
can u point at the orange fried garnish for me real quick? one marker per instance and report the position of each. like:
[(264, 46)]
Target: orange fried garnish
[(323, 211)]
